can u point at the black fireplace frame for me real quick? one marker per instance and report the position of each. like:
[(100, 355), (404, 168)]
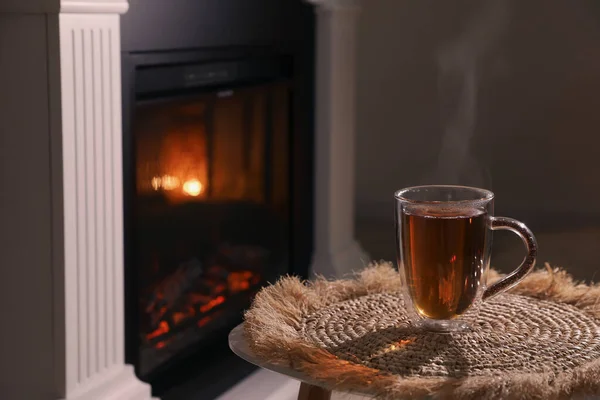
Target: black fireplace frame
[(204, 375)]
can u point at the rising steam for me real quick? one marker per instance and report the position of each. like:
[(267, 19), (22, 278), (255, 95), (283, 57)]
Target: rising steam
[(460, 64)]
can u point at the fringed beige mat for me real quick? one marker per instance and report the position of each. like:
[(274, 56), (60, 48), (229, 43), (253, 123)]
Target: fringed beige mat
[(540, 341)]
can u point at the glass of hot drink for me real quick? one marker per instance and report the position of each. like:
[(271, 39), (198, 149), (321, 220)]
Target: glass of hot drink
[(444, 244)]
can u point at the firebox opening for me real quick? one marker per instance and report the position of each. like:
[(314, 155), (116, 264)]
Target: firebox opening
[(211, 209)]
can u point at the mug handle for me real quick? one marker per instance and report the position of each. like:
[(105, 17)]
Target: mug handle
[(512, 279)]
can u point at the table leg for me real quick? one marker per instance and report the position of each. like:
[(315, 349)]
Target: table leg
[(311, 392)]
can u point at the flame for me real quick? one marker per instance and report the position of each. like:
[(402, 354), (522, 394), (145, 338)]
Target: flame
[(165, 182), (193, 187)]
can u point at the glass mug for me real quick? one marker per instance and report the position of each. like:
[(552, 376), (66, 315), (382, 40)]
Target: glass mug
[(444, 245)]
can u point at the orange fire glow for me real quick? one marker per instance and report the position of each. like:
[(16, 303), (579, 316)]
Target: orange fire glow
[(212, 304), (163, 327), (220, 288), (202, 322), (239, 281), (180, 316), (165, 182), (193, 187), (182, 164), (196, 304), (168, 183), (196, 298)]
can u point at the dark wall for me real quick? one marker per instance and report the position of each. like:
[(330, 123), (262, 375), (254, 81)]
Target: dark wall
[(537, 120), (152, 25), (536, 126)]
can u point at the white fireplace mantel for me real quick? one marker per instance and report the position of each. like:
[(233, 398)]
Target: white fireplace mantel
[(61, 225), (64, 6), (62, 210)]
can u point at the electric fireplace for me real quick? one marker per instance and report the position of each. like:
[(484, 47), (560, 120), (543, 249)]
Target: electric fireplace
[(213, 199)]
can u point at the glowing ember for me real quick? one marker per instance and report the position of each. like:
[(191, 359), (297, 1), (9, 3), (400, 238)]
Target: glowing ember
[(183, 300), (163, 327), (180, 316), (198, 298), (212, 304), (239, 281), (221, 288), (202, 322)]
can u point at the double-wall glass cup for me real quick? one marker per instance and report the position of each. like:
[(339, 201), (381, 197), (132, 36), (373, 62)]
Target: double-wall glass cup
[(444, 242)]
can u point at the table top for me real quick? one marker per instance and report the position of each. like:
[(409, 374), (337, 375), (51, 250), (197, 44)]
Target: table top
[(239, 345)]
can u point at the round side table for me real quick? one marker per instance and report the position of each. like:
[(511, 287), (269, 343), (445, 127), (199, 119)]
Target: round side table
[(310, 389)]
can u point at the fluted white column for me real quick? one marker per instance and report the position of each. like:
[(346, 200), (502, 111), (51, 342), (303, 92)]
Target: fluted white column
[(62, 217), (336, 250), (90, 83)]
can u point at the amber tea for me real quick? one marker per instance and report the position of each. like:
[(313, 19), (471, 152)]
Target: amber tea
[(444, 253)]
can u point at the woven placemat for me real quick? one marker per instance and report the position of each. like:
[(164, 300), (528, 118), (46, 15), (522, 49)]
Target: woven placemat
[(541, 340)]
